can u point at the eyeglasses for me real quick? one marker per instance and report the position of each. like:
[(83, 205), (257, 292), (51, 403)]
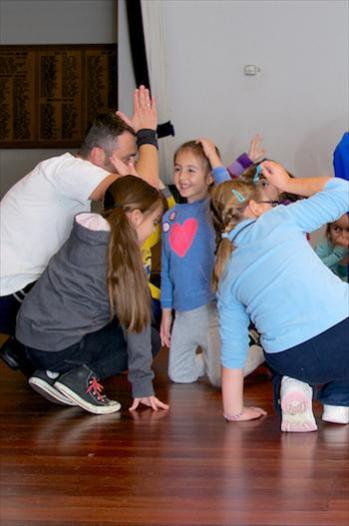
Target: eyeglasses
[(272, 203)]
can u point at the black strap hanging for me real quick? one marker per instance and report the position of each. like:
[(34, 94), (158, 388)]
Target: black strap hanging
[(139, 56), (137, 42)]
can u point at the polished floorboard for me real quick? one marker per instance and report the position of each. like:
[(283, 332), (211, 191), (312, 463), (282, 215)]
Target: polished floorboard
[(61, 466)]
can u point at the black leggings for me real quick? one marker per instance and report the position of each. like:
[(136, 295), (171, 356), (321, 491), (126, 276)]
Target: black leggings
[(104, 351), (9, 307)]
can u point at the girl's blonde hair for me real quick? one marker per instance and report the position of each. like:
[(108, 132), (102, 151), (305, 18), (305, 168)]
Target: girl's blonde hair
[(128, 290), (228, 203)]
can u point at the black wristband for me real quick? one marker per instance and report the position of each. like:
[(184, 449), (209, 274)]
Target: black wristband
[(147, 136)]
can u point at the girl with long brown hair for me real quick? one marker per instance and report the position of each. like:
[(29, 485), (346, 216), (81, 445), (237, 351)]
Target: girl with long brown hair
[(88, 316)]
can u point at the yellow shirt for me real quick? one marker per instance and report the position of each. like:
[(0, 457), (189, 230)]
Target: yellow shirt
[(150, 243)]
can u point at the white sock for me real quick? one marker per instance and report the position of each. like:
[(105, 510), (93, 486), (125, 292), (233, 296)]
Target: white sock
[(52, 375)]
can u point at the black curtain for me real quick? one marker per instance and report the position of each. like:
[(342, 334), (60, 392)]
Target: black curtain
[(139, 55), (137, 42)]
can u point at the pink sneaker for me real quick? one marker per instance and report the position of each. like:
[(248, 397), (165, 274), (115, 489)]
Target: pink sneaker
[(296, 406)]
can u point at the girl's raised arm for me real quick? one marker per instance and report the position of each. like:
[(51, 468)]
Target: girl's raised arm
[(306, 186)]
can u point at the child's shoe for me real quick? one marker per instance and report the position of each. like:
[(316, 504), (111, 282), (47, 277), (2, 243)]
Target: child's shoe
[(12, 353), (336, 414), (296, 406), (82, 387), (43, 383)]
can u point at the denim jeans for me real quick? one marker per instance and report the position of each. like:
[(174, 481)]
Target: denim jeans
[(104, 351), (322, 361)]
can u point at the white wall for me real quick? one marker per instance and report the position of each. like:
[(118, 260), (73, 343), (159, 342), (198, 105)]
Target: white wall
[(299, 101), (50, 22)]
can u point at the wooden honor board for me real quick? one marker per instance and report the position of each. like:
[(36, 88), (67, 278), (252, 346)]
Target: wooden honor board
[(50, 94)]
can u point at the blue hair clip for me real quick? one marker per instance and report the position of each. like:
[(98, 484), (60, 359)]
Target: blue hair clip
[(258, 174), (238, 196)]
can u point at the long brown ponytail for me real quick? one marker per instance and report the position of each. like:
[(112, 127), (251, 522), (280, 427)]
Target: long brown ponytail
[(128, 290)]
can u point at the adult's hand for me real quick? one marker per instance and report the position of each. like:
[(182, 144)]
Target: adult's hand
[(123, 168), (144, 111)]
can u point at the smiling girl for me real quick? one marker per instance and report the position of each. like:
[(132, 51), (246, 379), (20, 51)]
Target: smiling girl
[(188, 246)]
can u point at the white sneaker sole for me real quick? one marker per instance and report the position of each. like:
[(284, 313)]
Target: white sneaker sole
[(50, 393), (296, 406), (96, 409), (336, 414)]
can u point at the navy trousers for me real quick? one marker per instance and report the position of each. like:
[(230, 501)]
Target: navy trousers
[(104, 351), (322, 361)]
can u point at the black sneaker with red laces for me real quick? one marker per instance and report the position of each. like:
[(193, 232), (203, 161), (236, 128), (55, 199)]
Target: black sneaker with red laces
[(82, 387), (43, 383)]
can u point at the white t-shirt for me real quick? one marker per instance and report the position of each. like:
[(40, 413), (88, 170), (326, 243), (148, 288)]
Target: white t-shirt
[(37, 214)]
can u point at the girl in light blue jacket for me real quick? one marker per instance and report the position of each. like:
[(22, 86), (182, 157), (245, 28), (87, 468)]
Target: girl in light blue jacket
[(266, 272)]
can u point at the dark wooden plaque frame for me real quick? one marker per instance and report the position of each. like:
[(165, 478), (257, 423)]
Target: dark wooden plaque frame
[(50, 94)]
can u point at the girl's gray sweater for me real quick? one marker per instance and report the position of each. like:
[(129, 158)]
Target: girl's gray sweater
[(70, 300)]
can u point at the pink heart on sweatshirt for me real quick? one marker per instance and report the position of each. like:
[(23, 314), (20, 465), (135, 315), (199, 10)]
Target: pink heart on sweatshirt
[(181, 236)]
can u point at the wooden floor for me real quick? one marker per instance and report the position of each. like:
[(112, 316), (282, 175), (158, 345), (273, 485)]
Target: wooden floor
[(60, 466)]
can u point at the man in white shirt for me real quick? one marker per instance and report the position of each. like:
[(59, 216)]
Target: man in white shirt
[(37, 212)]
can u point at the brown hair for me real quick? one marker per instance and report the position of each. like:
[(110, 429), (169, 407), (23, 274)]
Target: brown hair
[(250, 172), (128, 290), (103, 132), (227, 211), (198, 151)]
